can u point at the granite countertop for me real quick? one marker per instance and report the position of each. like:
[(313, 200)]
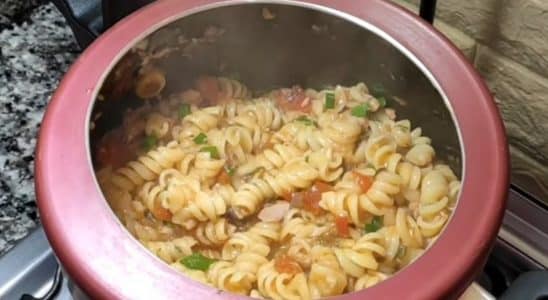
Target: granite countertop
[(36, 49)]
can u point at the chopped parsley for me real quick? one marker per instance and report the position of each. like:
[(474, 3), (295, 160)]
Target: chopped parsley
[(360, 111), (382, 101), (184, 110), (197, 261), (401, 251), (306, 121), (230, 171), (149, 142), (329, 100), (374, 225), (200, 139), (213, 152), (377, 90), (402, 127)]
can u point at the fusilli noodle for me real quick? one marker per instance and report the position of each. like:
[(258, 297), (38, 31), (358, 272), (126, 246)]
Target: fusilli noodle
[(297, 194)]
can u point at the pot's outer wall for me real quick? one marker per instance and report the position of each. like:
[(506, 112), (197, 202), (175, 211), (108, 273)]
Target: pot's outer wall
[(109, 264)]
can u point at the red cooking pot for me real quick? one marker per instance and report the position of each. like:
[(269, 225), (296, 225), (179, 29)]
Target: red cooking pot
[(311, 43)]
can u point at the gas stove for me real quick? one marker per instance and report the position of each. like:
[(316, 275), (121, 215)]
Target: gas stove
[(514, 269)]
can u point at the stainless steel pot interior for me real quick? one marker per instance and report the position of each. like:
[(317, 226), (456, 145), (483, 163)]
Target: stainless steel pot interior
[(300, 45)]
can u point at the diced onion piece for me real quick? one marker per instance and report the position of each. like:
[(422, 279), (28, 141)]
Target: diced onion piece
[(275, 212)]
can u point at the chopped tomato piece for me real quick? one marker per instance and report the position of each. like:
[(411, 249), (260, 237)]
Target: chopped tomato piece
[(341, 223), (288, 196), (364, 181), (209, 89), (322, 186), (161, 213), (311, 201), (286, 264), (293, 99), (113, 151), (223, 177), (297, 199)]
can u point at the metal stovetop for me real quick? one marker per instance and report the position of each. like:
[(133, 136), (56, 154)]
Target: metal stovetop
[(30, 270)]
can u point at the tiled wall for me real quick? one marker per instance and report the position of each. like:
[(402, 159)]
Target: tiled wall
[(507, 41)]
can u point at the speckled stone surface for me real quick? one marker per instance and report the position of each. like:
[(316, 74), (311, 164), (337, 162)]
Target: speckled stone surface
[(16, 10), (35, 52)]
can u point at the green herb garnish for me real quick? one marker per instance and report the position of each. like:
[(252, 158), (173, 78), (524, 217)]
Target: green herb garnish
[(329, 100), (374, 225), (184, 110), (200, 139), (360, 111), (149, 142), (197, 261), (382, 101), (377, 90), (213, 152), (401, 251), (306, 121), (230, 171), (402, 127)]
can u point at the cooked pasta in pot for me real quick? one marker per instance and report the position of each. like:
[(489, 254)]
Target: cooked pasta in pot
[(295, 194)]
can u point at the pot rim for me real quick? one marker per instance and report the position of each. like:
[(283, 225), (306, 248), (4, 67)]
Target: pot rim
[(107, 262)]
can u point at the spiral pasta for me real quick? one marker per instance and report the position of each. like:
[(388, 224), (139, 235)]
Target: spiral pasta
[(256, 239), (276, 285), (171, 251), (343, 202), (305, 137), (342, 129), (433, 203), (206, 167), (269, 159), (358, 256), (379, 149), (206, 206), (263, 114), (147, 167), (214, 233), (294, 174), (408, 229), (328, 164), (294, 224), (409, 173), (326, 275), (233, 89), (297, 194), (197, 275), (368, 279), (234, 142), (421, 153), (157, 125), (381, 193), (238, 276), (201, 120)]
